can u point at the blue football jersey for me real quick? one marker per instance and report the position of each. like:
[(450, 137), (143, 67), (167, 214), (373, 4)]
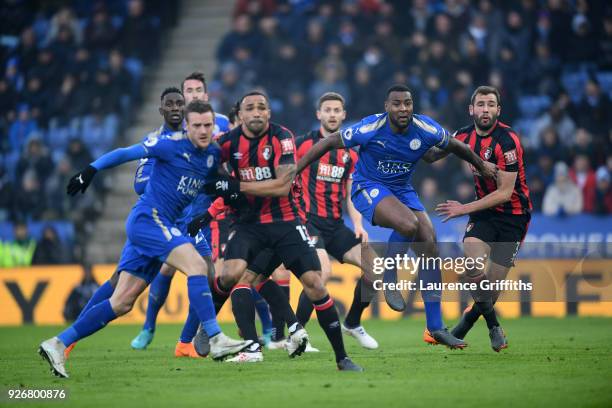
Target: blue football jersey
[(389, 158), (179, 173), (145, 165)]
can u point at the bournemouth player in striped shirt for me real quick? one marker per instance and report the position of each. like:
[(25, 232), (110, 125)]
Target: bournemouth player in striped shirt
[(262, 155), (499, 217), (325, 184)]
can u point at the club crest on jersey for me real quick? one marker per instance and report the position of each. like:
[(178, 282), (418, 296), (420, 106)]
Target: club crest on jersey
[(487, 153), (175, 231), (237, 155), (415, 144), (347, 133), (287, 146), (151, 141), (346, 157), (266, 152), (210, 161), (374, 192)]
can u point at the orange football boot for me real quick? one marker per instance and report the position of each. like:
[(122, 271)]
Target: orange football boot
[(185, 350)]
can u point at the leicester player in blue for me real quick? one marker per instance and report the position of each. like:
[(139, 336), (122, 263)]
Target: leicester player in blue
[(390, 144), (193, 88), (181, 169)]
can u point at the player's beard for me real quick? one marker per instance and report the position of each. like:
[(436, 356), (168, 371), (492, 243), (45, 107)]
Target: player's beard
[(329, 129), (486, 127), (256, 128)]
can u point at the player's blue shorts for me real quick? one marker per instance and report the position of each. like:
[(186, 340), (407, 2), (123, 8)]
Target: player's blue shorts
[(150, 239), (367, 194)]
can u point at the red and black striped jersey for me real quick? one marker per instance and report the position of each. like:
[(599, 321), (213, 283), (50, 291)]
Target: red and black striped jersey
[(255, 159), (324, 181), (501, 146)]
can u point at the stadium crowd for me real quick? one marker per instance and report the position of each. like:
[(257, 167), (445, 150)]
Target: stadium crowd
[(71, 74), (551, 60)]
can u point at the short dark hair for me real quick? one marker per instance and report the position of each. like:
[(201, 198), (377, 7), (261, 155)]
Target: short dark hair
[(330, 96), (260, 93), (233, 113), (198, 76), (485, 90), (169, 90), (198, 106), (398, 88)]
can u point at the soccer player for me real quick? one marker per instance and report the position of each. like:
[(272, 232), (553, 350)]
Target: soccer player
[(263, 156), (181, 169), (390, 145), (324, 185), (193, 88), (499, 217)]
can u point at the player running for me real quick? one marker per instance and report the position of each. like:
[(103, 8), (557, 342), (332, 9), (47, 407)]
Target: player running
[(499, 217), (390, 145), (180, 171), (193, 88), (263, 156)]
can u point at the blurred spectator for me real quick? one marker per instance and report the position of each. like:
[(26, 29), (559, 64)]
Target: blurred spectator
[(582, 46), (563, 197), (536, 192), (298, 114), (241, 35), (64, 19), (80, 295), (605, 45), (138, 36), (20, 250), (35, 158), (603, 194), (49, 249), (593, 111), (557, 119), (584, 177), (21, 129), (100, 34)]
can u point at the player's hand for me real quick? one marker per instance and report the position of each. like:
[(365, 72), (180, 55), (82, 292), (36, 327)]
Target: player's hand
[(198, 223), (450, 209), (360, 232), (81, 180), (223, 186), (489, 170)]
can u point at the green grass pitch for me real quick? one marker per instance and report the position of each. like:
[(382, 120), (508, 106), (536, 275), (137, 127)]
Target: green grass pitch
[(550, 362)]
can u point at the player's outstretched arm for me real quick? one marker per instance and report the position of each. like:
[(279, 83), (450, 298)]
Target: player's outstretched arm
[(434, 154), (82, 180), (331, 142), (464, 152), (505, 186)]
